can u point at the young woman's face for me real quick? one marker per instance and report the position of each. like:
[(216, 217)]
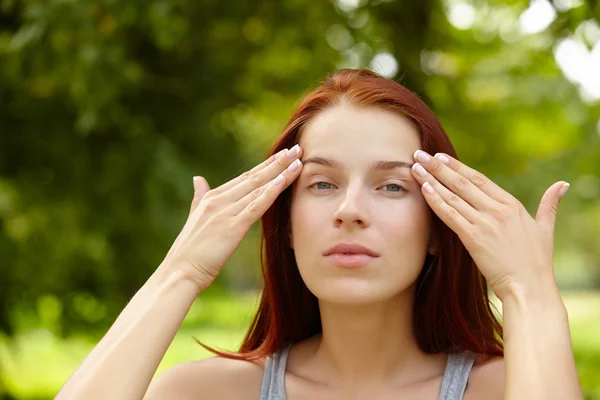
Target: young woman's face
[(352, 201)]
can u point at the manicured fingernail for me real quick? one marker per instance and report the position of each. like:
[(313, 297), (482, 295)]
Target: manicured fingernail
[(277, 181), (280, 153), (442, 158), (294, 166), (422, 156), (563, 189), (196, 182), (293, 151), (428, 187), (420, 170)]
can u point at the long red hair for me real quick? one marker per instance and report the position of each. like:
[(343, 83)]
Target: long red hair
[(452, 311)]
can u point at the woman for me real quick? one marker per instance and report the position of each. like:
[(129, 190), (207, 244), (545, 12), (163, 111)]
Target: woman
[(375, 285)]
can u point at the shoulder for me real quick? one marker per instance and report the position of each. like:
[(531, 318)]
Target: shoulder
[(213, 377), (487, 379)]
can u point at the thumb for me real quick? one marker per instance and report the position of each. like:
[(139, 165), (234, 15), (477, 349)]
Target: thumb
[(200, 189), (548, 208)]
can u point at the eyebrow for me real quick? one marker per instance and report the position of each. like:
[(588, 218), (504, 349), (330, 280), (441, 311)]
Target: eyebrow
[(377, 165)]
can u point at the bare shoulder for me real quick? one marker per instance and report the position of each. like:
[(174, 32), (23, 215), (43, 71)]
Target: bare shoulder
[(487, 379), (211, 378)]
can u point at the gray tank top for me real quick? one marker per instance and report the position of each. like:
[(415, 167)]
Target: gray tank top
[(454, 382)]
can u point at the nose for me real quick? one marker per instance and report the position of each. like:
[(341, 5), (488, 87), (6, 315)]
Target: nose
[(352, 209)]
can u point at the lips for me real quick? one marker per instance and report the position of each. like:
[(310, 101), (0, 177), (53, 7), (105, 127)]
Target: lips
[(349, 249)]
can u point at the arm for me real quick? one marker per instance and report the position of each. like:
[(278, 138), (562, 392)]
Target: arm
[(123, 363), (514, 252), (538, 353), (121, 366)]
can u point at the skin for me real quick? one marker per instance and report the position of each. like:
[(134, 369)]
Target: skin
[(366, 349), (366, 313)]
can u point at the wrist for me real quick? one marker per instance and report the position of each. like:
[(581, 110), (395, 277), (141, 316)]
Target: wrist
[(530, 297), (537, 286), (166, 275)]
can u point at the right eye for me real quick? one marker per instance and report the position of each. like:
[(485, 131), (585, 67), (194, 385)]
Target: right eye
[(321, 183)]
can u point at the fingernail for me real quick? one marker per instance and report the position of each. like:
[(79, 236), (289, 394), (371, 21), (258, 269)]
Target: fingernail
[(563, 190), (294, 166), (279, 153), (420, 170), (277, 181), (442, 158), (427, 187), (422, 156), (293, 151)]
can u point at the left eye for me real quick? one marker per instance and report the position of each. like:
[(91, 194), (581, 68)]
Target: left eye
[(395, 186)]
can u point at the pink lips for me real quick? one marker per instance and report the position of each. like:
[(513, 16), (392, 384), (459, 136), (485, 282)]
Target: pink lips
[(350, 261), (350, 255)]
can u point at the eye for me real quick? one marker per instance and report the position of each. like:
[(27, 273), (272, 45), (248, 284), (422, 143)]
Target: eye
[(399, 188), (321, 183)]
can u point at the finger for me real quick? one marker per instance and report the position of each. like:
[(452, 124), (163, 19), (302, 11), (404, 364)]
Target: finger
[(240, 178), (548, 209), (447, 214), (483, 183), (450, 198), (455, 182), (200, 188), (256, 203), (257, 179)]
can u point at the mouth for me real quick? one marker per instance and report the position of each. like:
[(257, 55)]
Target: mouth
[(350, 260), (350, 249)]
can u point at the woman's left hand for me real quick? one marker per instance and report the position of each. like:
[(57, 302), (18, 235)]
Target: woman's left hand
[(511, 249)]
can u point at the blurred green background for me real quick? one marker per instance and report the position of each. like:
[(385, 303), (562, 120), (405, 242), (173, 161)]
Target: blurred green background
[(107, 110)]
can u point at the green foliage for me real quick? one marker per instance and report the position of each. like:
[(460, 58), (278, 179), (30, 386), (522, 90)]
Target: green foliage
[(110, 109)]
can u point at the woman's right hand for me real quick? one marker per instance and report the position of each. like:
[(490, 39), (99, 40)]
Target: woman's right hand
[(220, 218)]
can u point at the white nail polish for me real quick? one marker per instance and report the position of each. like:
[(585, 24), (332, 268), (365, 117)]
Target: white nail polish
[(294, 166), (442, 158), (293, 151)]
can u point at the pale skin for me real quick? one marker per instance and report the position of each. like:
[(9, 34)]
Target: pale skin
[(366, 311), (366, 347)]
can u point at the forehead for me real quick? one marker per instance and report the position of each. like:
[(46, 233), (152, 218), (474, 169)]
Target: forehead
[(351, 131)]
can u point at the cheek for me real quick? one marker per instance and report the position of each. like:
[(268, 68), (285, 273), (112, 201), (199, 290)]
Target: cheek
[(306, 219), (409, 215)]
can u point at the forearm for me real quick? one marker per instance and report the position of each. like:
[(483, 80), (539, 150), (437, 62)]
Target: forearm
[(123, 363), (538, 355)]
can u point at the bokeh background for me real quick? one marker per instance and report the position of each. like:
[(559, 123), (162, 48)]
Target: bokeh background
[(108, 108)]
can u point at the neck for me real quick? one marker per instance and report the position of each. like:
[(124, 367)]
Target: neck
[(372, 344)]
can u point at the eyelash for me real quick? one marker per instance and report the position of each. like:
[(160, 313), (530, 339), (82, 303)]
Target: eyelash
[(402, 189)]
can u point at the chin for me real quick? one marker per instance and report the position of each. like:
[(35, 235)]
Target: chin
[(355, 291)]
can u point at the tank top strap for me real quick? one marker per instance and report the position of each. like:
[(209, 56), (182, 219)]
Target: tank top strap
[(456, 375), (272, 386)]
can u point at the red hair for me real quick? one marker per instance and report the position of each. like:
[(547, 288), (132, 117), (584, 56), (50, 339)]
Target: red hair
[(452, 311)]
